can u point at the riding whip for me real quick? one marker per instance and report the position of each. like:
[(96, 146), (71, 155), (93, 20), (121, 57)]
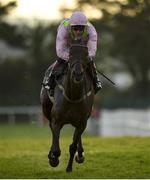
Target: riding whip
[(106, 77)]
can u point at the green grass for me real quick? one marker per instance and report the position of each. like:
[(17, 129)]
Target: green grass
[(24, 149)]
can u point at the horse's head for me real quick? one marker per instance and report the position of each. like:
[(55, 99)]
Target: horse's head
[(77, 61)]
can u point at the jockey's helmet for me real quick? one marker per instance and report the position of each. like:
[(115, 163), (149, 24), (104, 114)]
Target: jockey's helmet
[(78, 19)]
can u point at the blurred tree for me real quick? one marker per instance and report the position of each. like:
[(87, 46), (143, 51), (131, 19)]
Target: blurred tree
[(11, 35), (8, 32), (5, 9), (22, 84), (12, 71), (26, 74), (41, 52), (131, 34), (14, 78)]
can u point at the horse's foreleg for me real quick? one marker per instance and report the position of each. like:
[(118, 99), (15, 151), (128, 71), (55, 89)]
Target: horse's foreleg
[(80, 156), (73, 147), (55, 148)]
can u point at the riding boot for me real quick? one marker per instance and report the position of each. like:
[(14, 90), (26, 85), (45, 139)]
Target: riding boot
[(59, 65), (93, 73)]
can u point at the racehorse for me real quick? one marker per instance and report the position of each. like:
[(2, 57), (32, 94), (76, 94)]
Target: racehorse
[(71, 104)]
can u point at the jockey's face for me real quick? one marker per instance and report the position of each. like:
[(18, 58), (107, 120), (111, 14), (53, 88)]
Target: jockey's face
[(78, 31)]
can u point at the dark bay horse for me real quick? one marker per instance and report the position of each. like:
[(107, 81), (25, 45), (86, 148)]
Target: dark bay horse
[(72, 104)]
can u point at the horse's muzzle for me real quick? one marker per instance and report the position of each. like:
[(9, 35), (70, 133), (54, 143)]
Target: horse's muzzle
[(78, 77)]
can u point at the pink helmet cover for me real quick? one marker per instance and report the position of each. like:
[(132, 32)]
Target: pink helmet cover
[(78, 18)]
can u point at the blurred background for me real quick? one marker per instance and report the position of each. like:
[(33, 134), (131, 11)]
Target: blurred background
[(27, 47)]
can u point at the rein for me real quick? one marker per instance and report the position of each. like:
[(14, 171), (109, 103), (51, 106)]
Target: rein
[(81, 45)]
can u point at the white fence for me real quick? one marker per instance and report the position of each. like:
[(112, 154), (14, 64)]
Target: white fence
[(33, 113), (121, 122)]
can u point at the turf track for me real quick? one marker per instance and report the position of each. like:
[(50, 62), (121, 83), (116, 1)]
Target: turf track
[(24, 149)]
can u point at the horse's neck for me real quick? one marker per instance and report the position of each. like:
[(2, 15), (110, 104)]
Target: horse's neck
[(74, 90)]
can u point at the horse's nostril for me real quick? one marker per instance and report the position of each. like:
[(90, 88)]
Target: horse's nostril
[(79, 76)]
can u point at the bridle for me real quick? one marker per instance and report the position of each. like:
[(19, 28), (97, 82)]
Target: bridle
[(72, 64)]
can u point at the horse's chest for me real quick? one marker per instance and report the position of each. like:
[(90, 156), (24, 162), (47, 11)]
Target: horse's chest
[(73, 115)]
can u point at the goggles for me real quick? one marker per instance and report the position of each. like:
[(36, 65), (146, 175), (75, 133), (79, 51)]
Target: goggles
[(78, 28)]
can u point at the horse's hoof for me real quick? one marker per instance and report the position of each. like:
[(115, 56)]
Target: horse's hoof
[(69, 169), (54, 162), (79, 159)]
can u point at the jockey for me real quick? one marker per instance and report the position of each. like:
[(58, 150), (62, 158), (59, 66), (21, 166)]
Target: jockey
[(76, 28)]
